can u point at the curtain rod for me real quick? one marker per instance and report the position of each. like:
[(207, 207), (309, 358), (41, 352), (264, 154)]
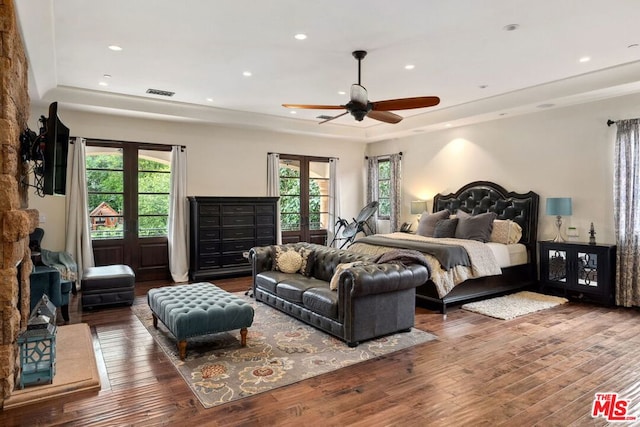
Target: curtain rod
[(385, 155), (610, 122)]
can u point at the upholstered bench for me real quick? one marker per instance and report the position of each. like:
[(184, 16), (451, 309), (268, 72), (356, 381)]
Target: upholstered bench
[(199, 309), (109, 284)]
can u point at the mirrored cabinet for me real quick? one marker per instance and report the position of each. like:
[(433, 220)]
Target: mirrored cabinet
[(579, 270)]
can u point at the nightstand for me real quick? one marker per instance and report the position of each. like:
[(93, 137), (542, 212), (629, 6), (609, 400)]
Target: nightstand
[(579, 270)]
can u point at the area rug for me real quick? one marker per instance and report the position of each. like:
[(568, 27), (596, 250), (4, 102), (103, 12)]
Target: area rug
[(511, 306), (76, 369), (280, 351)]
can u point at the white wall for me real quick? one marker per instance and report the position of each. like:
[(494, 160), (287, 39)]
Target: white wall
[(556, 153), (221, 161), (564, 152)]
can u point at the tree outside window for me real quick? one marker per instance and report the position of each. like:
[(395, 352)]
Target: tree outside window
[(384, 189)]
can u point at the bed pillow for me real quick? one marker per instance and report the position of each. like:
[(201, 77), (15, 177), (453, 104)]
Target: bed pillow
[(477, 227), (445, 228), (427, 223), (506, 232)]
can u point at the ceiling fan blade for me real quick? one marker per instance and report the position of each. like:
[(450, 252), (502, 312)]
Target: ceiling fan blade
[(333, 118), (314, 107), (384, 116), (406, 103), (359, 94)]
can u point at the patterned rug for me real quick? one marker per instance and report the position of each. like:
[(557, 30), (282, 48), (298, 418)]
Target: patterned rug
[(280, 351), (511, 306)]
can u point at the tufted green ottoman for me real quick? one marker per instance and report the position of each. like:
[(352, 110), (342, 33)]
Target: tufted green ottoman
[(199, 309)]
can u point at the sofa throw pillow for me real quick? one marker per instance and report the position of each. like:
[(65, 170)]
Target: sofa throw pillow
[(335, 279), (477, 227), (308, 258), (287, 260), (427, 223), (506, 231), (445, 228)]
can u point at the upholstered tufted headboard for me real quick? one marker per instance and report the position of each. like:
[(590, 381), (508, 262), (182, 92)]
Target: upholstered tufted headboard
[(484, 196)]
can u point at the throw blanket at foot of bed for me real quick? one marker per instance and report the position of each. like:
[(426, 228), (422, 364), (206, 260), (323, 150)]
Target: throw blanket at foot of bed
[(482, 262)]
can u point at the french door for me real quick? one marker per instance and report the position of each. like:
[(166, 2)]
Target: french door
[(304, 198), (128, 203)]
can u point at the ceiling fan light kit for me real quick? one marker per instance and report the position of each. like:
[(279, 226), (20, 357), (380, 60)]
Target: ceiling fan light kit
[(360, 107)]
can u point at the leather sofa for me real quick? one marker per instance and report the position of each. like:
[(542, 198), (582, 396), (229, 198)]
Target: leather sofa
[(370, 301)]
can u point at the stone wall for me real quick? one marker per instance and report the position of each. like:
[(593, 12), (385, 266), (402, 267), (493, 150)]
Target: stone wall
[(16, 221)]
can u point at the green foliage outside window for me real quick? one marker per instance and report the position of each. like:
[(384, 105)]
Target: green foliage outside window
[(384, 189), (290, 200), (105, 182)]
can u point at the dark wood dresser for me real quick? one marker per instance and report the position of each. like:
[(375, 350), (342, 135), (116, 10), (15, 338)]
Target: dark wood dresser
[(223, 229)]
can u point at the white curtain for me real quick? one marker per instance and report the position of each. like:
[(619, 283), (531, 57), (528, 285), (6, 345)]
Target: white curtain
[(395, 190), (626, 212), (334, 199), (178, 220), (78, 240), (273, 188)]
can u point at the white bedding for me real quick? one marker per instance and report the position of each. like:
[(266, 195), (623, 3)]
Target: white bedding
[(509, 255), (487, 259)]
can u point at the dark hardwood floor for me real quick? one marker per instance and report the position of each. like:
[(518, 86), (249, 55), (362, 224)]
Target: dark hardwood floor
[(541, 369)]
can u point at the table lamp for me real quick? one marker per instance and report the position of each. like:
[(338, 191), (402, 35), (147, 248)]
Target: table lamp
[(559, 206), (418, 206)]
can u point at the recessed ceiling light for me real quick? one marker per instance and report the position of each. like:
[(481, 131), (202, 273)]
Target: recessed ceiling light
[(103, 84), (409, 67), (585, 59), (545, 105), (300, 36), (483, 86), (341, 92), (246, 73), (448, 125), (106, 76), (511, 27), (293, 112), (210, 99), (115, 48), (633, 45)]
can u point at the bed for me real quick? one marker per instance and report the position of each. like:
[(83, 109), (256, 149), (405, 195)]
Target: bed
[(516, 262)]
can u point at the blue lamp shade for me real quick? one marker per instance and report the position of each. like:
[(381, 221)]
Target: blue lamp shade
[(559, 206)]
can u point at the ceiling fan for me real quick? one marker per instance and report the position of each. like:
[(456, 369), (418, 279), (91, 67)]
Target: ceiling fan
[(360, 107)]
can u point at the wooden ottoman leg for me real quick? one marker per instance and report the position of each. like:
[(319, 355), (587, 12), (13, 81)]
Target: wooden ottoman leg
[(182, 349), (155, 320), (243, 337)]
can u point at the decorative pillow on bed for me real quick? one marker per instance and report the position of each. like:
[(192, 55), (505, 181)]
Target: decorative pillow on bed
[(477, 227), (506, 232), (445, 228), (428, 222)]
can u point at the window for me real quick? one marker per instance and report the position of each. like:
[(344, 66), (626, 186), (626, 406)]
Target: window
[(304, 198), (384, 189), (106, 177)]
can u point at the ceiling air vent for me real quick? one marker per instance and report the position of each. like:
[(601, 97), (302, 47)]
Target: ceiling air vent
[(160, 92), (324, 117)]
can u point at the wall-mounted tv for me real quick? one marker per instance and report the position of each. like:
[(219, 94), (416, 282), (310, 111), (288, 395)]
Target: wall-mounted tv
[(55, 153)]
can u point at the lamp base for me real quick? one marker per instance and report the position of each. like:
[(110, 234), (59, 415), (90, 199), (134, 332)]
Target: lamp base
[(559, 237)]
